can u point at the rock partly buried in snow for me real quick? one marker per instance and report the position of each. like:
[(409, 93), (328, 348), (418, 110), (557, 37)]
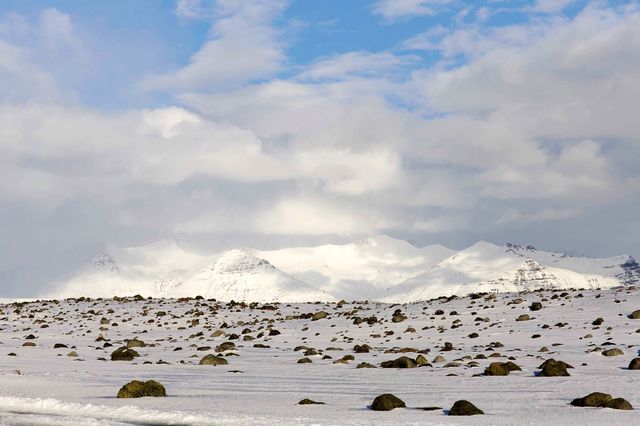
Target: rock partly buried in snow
[(464, 408), (387, 402), (135, 343), (124, 354), (226, 346), (619, 404), (635, 314), (319, 315), (496, 369), (634, 364), (594, 399), (523, 317), (535, 306), (402, 362), (308, 401), (138, 389), (213, 360), (553, 368), (612, 352)]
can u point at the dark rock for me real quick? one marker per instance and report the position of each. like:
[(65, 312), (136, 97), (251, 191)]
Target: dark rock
[(387, 402), (138, 389), (535, 306), (124, 354), (213, 360), (402, 362), (595, 399), (464, 408), (308, 401)]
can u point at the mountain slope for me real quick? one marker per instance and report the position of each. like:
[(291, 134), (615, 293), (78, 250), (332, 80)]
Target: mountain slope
[(360, 270), (377, 268), (489, 267)]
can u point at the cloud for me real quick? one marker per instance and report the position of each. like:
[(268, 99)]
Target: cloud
[(394, 9), (354, 64), (243, 46), (316, 216)]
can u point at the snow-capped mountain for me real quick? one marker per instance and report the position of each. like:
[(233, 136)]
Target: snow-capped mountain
[(365, 268), (376, 268)]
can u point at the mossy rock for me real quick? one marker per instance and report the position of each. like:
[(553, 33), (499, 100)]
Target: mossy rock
[(308, 401), (213, 360), (387, 402), (138, 389), (553, 368), (124, 354), (634, 364), (319, 315), (226, 346), (619, 404), (464, 408), (402, 362), (594, 399), (496, 369)]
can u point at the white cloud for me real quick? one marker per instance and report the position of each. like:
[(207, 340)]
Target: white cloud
[(394, 9), (551, 6), (244, 45), (314, 216), (364, 64)]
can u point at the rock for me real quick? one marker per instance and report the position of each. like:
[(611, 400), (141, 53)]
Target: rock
[(553, 368), (319, 315), (387, 402), (226, 346), (597, 321), (398, 318), (438, 359), (464, 408), (535, 306), (635, 314), (523, 317), (213, 360), (124, 354), (361, 349), (595, 399), (308, 401), (612, 352), (421, 360), (304, 361), (135, 343), (634, 364), (496, 369), (619, 404), (73, 354), (138, 389), (59, 346), (402, 362)]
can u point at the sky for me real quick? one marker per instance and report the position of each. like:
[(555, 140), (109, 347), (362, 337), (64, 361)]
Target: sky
[(269, 123)]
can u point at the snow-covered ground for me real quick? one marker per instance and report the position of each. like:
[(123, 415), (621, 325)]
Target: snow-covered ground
[(42, 385)]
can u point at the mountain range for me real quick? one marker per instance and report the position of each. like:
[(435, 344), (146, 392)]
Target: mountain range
[(377, 268)]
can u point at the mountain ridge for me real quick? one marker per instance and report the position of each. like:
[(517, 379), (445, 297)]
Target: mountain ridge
[(375, 268)]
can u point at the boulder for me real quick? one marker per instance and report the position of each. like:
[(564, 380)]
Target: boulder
[(464, 408), (138, 389), (594, 399), (387, 402), (402, 362), (124, 354), (213, 360), (612, 352), (634, 364)]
